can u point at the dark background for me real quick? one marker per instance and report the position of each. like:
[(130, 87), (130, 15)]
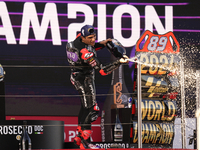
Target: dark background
[(37, 74)]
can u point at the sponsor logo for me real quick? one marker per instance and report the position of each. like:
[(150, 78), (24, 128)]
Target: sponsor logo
[(92, 93), (88, 55), (109, 145), (102, 126), (93, 63), (16, 130), (117, 88), (72, 56), (18, 137)]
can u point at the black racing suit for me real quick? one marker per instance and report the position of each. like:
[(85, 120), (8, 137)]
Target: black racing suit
[(83, 60)]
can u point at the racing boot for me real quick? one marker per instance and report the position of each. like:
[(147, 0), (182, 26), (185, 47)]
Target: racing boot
[(77, 139), (85, 138)]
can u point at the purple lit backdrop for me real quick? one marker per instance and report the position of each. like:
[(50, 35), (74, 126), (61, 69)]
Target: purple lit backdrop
[(37, 74)]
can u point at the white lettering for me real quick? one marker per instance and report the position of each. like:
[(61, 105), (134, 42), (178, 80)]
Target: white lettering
[(19, 129), (30, 16), (108, 145), (5, 130), (29, 130), (50, 20), (74, 27), (38, 128), (123, 145), (1, 130), (101, 22), (7, 26), (64, 136), (14, 129), (135, 24), (72, 134), (152, 18), (10, 130)]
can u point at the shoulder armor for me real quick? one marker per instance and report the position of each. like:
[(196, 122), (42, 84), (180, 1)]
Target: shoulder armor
[(72, 53), (70, 45)]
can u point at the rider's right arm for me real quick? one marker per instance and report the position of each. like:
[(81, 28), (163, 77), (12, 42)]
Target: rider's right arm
[(89, 58)]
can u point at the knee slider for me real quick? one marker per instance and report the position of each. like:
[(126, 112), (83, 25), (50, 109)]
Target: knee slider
[(94, 113)]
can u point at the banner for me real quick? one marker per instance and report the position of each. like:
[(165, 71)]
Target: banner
[(159, 59)]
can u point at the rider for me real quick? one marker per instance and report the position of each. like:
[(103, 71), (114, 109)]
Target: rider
[(81, 55)]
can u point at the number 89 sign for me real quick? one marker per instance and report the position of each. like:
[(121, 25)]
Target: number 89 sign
[(160, 50), (166, 43)]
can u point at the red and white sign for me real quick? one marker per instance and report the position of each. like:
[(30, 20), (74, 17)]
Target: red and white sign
[(156, 43), (70, 128)]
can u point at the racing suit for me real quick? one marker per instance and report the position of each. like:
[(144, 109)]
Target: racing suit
[(83, 60)]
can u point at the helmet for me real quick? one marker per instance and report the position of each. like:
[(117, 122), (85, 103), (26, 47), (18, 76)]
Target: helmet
[(116, 48)]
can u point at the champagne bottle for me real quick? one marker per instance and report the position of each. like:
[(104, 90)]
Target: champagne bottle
[(118, 95), (25, 142), (118, 129)]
